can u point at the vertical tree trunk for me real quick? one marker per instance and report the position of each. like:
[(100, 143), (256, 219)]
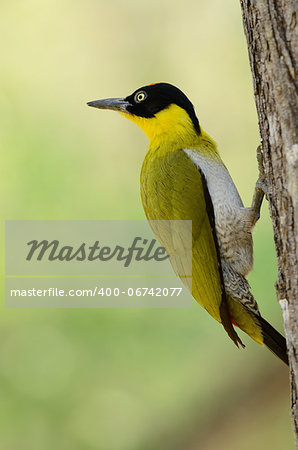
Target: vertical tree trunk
[(271, 31)]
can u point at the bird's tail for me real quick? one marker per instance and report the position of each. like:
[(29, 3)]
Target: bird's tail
[(274, 340)]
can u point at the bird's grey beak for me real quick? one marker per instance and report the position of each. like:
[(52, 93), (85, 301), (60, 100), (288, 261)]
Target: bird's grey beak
[(116, 104)]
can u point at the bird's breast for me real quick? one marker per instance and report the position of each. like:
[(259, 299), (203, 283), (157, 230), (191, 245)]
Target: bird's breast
[(169, 185), (235, 242), (171, 189)]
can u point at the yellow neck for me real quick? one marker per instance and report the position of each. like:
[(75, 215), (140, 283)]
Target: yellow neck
[(172, 124), (172, 129)]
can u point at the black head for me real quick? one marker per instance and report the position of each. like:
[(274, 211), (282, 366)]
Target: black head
[(149, 100)]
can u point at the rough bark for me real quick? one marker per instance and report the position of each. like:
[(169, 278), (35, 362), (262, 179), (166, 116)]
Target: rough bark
[(271, 31)]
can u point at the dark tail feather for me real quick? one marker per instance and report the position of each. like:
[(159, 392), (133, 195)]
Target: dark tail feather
[(274, 340), (227, 323)]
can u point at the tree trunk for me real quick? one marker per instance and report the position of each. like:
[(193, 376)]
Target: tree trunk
[(271, 31)]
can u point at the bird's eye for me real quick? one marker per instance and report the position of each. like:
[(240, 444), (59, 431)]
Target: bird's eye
[(140, 96)]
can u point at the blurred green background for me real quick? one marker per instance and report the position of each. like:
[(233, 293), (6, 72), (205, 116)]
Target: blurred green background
[(126, 379)]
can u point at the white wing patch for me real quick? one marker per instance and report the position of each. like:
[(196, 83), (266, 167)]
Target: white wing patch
[(220, 184), (234, 243)]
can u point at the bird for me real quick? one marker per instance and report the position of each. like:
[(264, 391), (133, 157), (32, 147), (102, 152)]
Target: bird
[(184, 178)]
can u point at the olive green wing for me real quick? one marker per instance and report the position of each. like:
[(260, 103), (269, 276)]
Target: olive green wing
[(174, 188), (224, 308)]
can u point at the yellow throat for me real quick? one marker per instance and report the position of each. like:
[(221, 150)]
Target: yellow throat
[(170, 124)]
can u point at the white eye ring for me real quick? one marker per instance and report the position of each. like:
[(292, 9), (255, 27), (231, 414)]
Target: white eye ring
[(140, 96)]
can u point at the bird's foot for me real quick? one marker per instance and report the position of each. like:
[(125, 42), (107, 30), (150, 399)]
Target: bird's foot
[(261, 188), (261, 184)]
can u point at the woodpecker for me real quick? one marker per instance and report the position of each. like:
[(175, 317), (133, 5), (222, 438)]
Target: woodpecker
[(184, 178)]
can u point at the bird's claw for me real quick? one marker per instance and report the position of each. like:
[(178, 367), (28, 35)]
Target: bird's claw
[(261, 188), (261, 184)]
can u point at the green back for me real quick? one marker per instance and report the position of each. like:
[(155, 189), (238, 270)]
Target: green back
[(172, 189)]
